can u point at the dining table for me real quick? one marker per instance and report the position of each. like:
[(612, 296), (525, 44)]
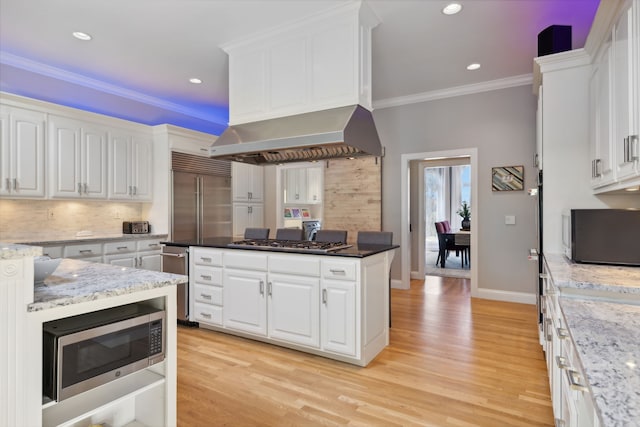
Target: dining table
[(461, 238)]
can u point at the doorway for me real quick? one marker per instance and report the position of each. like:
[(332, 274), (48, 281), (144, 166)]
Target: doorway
[(412, 233), (446, 187)]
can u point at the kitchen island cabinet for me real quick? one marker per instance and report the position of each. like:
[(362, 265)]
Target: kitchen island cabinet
[(146, 397), (591, 334), (333, 305)]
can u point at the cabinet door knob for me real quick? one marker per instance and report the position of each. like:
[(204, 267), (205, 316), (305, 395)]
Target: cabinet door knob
[(15, 184), (86, 188), (261, 287), (324, 296), (8, 184), (270, 288), (79, 188)]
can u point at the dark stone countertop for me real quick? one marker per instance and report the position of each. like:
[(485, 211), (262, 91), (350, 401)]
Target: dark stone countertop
[(355, 251)]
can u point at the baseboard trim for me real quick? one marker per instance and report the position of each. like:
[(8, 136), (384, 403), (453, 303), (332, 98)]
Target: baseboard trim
[(415, 275), (397, 284), (507, 296)]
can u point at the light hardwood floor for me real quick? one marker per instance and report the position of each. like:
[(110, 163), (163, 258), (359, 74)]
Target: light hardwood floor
[(452, 361)]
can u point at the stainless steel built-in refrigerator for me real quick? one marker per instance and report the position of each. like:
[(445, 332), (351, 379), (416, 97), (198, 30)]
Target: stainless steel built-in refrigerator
[(200, 209)]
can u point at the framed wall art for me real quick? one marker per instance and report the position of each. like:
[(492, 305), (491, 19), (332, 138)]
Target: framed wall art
[(507, 178)]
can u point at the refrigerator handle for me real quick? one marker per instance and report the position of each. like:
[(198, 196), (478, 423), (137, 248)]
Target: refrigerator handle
[(198, 207)]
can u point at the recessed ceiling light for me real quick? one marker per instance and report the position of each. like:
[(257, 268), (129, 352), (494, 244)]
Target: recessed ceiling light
[(473, 66), (195, 81), (81, 36), (452, 8)]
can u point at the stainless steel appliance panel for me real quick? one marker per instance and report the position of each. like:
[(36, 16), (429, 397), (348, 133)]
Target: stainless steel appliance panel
[(175, 259)]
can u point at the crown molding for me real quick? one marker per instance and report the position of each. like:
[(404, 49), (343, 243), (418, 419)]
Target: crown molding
[(508, 82), (80, 80)]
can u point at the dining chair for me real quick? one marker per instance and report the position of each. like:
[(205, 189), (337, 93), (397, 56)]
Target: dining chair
[(256, 233), (375, 238), (290, 234), (331, 236)]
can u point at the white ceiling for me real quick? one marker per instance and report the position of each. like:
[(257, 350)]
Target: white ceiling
[(152, 47)]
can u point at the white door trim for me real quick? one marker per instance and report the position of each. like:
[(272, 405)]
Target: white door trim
[(405, 236)]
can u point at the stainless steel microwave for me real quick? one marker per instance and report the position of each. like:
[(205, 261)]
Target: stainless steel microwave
[(88, 350), (602, 236)]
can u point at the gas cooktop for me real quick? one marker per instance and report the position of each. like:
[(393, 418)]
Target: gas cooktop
[(309, 246)]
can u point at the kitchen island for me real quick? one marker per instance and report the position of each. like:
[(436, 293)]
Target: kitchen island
[(333, 304), (592, 342), (79, 287)]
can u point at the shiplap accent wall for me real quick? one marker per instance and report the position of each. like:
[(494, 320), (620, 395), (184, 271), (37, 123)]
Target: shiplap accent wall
[(352, 195)]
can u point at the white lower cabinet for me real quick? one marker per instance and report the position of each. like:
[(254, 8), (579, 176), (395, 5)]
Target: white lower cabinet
[(570, 396), (311, 303), (205, 286), (245, 307), (293, 309), (339, 317)]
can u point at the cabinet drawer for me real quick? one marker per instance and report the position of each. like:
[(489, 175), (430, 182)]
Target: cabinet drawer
[(52, 251), (203, 256), (339, 270), (208, 314), (207, 275), (76, 251), (302, 265), (149, 245), (247, 260), (208, 294), (119, 247)]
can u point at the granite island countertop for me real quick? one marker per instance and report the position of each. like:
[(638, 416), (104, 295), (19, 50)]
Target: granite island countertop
[(15, 251), (76, 281), (354, 251), (607, 339)]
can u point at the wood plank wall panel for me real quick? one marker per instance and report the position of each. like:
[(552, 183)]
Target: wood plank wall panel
[(353, 195)]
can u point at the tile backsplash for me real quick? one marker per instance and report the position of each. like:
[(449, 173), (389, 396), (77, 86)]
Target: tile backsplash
[(37, 220)]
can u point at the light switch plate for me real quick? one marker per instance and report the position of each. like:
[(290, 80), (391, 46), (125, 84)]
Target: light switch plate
[(510, 219)]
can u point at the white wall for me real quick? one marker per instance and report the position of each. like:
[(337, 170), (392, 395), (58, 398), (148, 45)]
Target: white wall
[(501, 125)]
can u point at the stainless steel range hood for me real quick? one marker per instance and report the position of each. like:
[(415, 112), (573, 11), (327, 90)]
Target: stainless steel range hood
[(338, 132)]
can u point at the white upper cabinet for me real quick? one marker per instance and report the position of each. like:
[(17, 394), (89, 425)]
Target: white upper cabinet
[(77, 158), (319, 63), (625, 82), (303, 185), (602, 167), (186, 140), (130, 163), (247, 182), (22, 152)]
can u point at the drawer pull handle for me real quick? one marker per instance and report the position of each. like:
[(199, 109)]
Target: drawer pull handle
[(574, 380), (269, 288), (86, 251), (153, 245), (324, 296), (205, 315), (121, 248), (561, 362), (203, 259), (337, 271), (562, 333), (205, 277), (261, 287), (205, 296)]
